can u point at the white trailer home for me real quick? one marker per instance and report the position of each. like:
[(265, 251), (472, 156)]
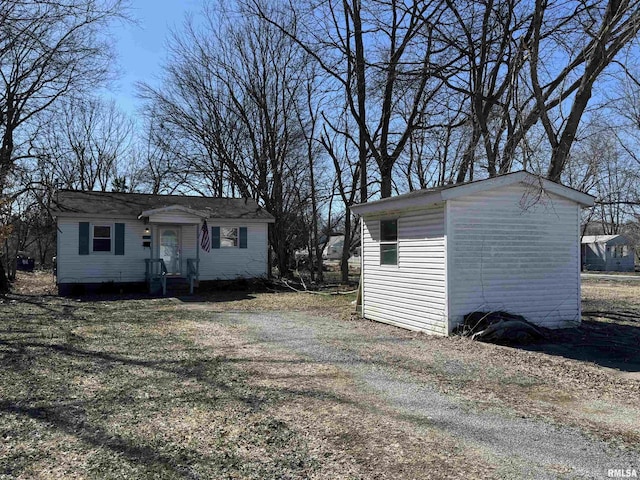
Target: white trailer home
[(610, 253), (509, 243), (124, 239)]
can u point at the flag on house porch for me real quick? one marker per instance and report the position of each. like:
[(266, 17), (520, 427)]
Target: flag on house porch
[(205, 241)]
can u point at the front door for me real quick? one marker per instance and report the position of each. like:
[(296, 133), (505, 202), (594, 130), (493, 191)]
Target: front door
[(170, 248)]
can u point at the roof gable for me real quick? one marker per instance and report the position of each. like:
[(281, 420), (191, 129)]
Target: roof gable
[(77, 203), (424, 197), (606, 239)]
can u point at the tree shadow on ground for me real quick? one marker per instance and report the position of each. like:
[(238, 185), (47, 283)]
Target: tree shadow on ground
[(608, 344), (45, 368)]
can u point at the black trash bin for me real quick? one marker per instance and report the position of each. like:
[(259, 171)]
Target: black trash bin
[(25, 263)]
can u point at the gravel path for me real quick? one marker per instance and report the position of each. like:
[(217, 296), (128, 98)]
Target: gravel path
[(522, 448)]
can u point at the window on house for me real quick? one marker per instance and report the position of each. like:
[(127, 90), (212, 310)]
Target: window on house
[(102, 238), (389, 242), (228, 237), (620, 251)]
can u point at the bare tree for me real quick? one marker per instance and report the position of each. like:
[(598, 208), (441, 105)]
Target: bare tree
[(234, 99), (47, 50), (381, 57), (86, 144), (530, 64)]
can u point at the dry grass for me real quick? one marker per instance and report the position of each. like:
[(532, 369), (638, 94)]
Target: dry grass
[(602, 295), (153, 388)]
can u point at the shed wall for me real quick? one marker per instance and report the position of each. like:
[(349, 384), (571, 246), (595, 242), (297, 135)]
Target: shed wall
[(411, 294), (594, 256), (510, 250)]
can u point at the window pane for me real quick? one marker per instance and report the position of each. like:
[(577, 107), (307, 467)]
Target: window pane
[(389, 254), (389, 230), (101, 244), (101, 232), (228, 237)]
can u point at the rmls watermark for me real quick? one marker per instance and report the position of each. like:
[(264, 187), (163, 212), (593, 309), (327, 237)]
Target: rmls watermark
[(622, 473)]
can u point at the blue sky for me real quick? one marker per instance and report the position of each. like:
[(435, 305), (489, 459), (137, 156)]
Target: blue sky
[(141, 46)]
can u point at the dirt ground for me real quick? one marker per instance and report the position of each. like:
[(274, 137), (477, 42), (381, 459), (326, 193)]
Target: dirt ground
[(106, 387)]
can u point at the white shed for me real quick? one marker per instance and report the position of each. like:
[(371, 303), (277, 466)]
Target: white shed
[(509, 243)]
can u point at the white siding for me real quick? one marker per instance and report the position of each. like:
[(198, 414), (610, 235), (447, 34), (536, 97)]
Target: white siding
[(411, 294), (230, 263), (100, 266), (223, 263), (509, 252)]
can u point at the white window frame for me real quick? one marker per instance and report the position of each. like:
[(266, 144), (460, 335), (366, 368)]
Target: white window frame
[(111, 240), (223, 237), (388, 242)]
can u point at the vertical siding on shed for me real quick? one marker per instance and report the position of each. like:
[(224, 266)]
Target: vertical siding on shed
[(411, 294), (510, 252)]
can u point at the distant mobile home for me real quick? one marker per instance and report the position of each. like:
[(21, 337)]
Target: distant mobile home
[(507, 243), (130, 238), (611, 253)]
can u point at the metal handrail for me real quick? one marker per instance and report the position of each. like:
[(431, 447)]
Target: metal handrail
[(193, 272)]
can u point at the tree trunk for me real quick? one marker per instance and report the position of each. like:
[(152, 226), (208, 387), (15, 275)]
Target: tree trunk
[(385, 179), (344, 261), (4, 283), (362, 100)]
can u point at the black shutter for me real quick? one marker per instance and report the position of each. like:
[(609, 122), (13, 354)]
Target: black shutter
[(119, 238), (83, 238), (243, 237), (215, 237)]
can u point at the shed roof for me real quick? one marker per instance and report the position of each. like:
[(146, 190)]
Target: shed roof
[(429, 196), (69, 203), (601, 238)]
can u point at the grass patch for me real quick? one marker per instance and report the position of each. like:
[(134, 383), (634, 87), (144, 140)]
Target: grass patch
[(117, 390)]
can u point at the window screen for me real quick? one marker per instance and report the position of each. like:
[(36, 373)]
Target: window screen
[(102, 238), (389, 242)]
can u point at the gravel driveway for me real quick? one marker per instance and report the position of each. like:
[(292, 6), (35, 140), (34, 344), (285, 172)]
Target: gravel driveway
[(520, 447)]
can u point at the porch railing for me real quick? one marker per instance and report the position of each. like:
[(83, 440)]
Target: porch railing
[(156, 270), (193, 273)]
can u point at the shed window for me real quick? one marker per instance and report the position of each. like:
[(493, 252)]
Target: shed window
[(389, 242), (228, 237), (102, 238)]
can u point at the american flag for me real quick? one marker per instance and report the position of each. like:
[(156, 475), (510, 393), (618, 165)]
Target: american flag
[(205, 241)]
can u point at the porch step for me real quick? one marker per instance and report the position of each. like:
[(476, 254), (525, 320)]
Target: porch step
[(178, 286), (155, 285)]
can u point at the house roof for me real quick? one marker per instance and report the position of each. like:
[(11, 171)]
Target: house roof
[(429, 196), (600, 238), (70, 203)]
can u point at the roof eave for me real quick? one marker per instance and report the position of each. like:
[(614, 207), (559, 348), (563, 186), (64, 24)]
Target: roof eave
[(401, 202), (527, 178), (397, 203)]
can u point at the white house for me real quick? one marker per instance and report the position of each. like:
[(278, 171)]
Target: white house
[(333, 249), (130, 238), (508, 243), (612, 253)]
